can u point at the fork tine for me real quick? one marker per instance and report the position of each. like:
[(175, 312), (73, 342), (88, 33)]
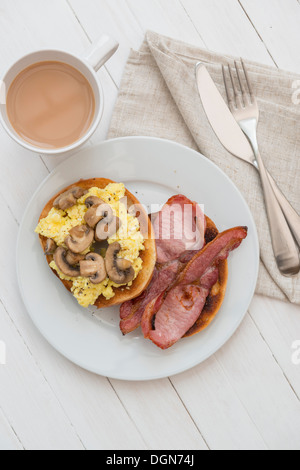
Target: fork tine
[(228, 94), (241, 83), (235, 92), (247, 79), (239, 77), (225, 83)]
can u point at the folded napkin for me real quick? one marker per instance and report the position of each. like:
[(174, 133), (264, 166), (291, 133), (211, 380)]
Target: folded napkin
[(158, 97)]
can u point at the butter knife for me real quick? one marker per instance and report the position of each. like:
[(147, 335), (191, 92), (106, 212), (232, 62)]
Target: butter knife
[(234, 140)]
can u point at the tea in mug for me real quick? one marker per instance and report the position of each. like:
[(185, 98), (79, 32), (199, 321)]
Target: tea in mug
[(50, 104)]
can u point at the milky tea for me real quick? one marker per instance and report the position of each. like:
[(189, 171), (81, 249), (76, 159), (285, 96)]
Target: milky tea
[(50, 105)]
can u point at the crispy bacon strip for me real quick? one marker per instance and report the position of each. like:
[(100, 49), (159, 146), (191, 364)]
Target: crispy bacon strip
[(212, 253), (167, 319), (131, 312), (178, 313), (149, 314), (179, 227)]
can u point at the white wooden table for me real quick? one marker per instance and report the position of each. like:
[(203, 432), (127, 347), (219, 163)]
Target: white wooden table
[(244, 397)]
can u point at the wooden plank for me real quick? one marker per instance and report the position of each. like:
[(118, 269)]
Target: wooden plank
[(225, 28), (27, 399), (242, 379), (128, 22), (21, 172), (8, 439), (217, 409), (166, 17), (277, 23), (279, 324), (262, 388), (114, 18), (37, 24), (159, 415)]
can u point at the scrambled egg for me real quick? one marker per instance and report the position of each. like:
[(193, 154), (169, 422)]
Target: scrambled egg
[(58, 224)]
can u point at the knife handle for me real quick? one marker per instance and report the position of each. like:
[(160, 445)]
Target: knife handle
[(293, 219)]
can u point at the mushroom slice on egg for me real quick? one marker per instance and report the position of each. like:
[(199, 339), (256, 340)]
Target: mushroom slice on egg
[(73, 258), (106, 230), (50, 247), (93, 201), (93, 267), (68, 198), (79, 238), (119, 270), (63, 265), (98, 212)]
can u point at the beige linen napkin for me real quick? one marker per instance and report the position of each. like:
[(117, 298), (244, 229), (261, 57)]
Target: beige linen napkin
[(158, 97)]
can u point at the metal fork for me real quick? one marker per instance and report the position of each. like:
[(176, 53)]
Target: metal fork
[(244, 108)]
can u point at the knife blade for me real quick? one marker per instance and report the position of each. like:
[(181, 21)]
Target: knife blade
[(234, 140), (221, 120)]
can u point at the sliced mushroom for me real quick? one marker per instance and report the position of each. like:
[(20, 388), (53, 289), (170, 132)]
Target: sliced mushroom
[(106, 230), (63, 265), (66, 202), (97, 213), (79, 238), (91, 217), (73, 258), (68, 198), (105, 212), (93, 201), (119, 270), (93, 267), (50, 247)]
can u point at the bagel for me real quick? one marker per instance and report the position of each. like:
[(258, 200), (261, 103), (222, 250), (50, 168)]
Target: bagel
[(148, 255)]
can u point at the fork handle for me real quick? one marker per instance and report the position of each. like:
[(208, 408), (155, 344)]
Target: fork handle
[(285, 250), (284, 246)]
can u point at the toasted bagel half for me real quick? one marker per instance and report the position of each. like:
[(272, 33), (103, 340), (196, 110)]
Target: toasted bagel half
[(148, 255)]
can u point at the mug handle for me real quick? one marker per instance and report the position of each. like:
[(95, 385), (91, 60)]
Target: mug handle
[(100, 51)]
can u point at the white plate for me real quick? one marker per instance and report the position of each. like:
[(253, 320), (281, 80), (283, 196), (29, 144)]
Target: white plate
[(155, 169)]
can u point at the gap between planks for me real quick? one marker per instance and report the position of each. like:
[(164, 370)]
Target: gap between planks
[(274, 357), (89, 39), (14, 435), (256, 30)]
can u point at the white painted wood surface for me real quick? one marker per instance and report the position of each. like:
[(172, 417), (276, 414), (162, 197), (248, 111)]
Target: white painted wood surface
[(244, 397)]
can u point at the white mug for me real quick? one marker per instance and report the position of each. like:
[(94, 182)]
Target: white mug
[(96, 56)]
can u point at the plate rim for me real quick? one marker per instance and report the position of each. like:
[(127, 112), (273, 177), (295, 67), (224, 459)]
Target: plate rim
[(170, 373)]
